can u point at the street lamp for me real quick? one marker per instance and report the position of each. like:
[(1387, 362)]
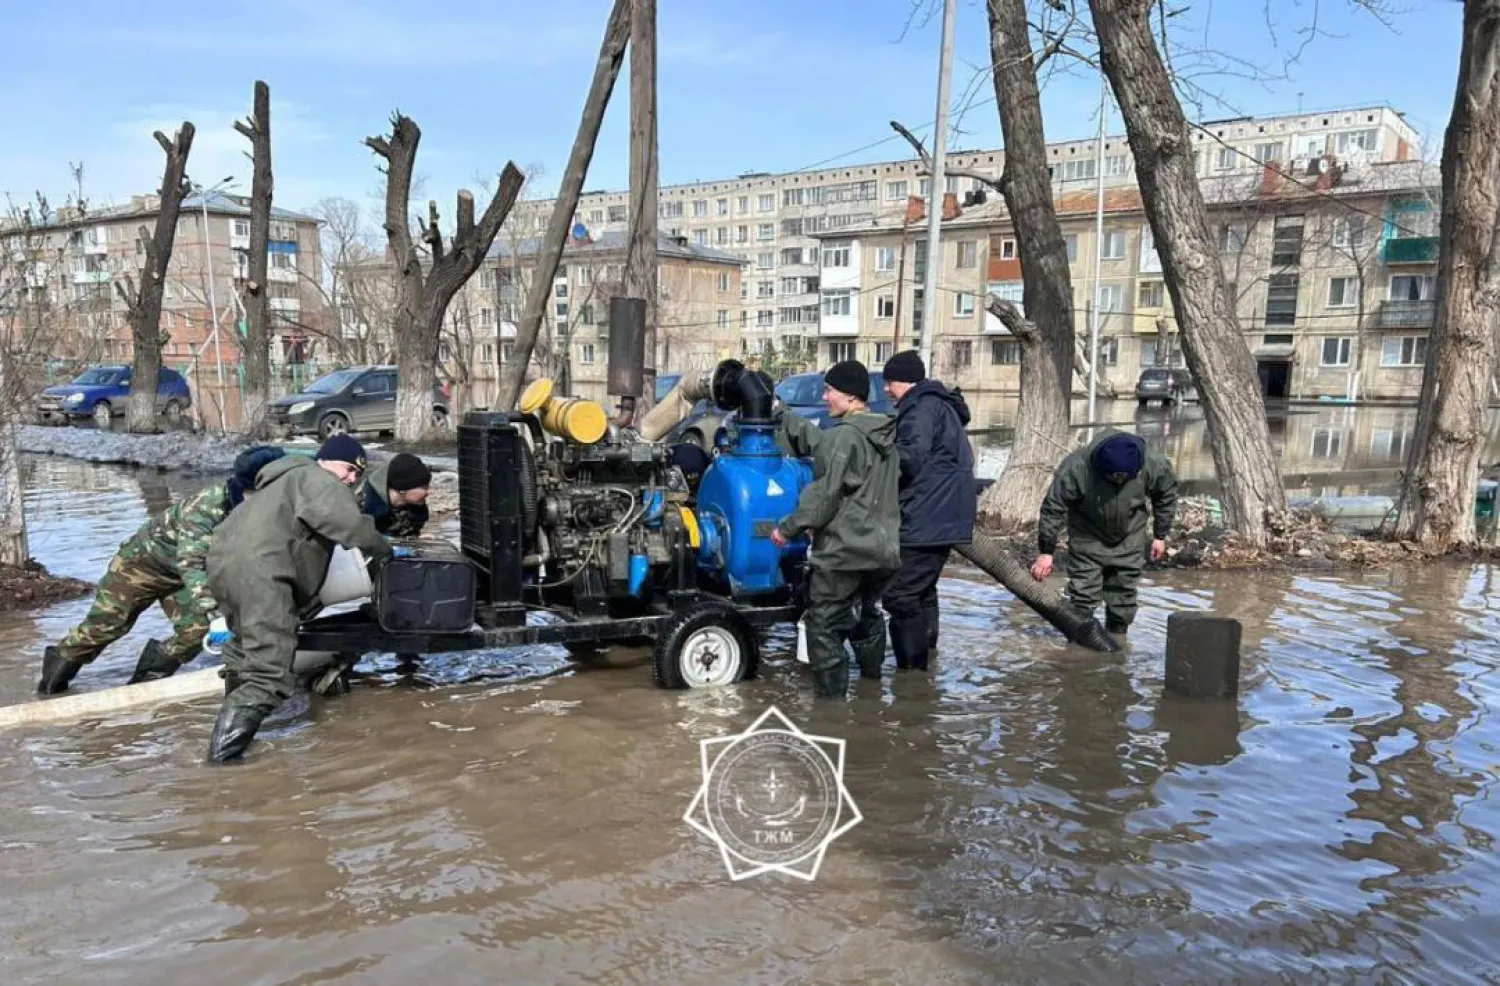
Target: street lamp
[(208, 257)]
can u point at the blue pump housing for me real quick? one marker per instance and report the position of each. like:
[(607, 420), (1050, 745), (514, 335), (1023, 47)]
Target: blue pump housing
[(743, 494)]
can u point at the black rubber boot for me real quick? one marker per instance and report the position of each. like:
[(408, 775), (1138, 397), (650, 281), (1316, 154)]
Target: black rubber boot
[(832, 682), (233, 730), (930, 611), (57, 672), (909, 641), (870, 652), (153, 664), (1114, 625)]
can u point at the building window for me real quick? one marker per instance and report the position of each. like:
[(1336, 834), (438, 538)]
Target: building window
[(963, 304), (1348, 232), (1005, 352), (1114, 245), (1343, 292), (1114, 165), (723, 207), (765, 289), (836, 253), (723, 282), (885, 306), (968, 254), (1152, 294), (1226, 158), (765, 261), (883, 352), (507, 351), (1336, 351), (791, 196), (618, 213), (767, 203), (723, 318), (1286, 241), (742, 234), (562, 309), (560, 289), (1111, 298), (1267, 153), (836, 303), (1403, 351), (765, 231), (700, 237), (1327, 443), (885, 258), (486, 317), (242, 228), (764, 318), (1109, 351), (895, 191), (1008, 248), (840, 351), (1281, 299), (1387, 443), (1071, 241), (963, 353), (1413, 287), (700, 209), (671, 210), (1234, 235), (1080, 170)]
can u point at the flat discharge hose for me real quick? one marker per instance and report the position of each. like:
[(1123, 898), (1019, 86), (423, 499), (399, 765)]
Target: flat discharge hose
[(990, 555)]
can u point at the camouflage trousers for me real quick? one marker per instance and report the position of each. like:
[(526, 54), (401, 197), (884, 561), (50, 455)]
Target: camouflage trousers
[(127, 590)]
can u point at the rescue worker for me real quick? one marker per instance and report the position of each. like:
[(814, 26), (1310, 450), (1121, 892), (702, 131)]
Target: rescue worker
[(266, 565), (394, 492), (853, 512), (1102, 492), (938, 500), (162, 562)]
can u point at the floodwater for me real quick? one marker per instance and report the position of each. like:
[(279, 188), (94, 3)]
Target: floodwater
[(1032, 812)]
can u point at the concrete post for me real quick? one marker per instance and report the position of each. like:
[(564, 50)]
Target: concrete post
[(1203, 655)]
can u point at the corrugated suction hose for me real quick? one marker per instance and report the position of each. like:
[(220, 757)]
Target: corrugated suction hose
[(990, 555)]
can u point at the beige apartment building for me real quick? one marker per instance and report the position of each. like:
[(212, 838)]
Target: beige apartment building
[(776, 223), (698, 305), (1332, 264), (71, 265)]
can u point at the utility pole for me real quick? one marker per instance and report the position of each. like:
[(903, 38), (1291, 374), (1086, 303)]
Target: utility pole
[(900, 290), (935, 196), (1098, 249), (641, 256)]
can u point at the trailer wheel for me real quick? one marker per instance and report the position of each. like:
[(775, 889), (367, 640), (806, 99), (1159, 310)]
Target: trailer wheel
[(704, 646)]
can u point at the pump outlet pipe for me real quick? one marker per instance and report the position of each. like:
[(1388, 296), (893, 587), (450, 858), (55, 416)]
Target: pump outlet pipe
[(990, 555)]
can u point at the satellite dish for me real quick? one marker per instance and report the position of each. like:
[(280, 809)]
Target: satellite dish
[(580, 232)]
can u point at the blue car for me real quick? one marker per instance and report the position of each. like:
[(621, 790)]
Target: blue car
[(802, 393), (101, 393)]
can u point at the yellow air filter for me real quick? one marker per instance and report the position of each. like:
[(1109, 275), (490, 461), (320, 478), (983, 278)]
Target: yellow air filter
[(575, 419)]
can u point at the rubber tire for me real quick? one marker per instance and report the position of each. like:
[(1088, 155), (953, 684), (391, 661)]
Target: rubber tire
[(324, 431), (172, 411), (106, 409), (678, 628), (438, 419)]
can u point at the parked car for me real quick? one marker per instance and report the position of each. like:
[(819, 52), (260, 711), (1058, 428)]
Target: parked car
[(351, 400), (1166, 384), (101, 392)]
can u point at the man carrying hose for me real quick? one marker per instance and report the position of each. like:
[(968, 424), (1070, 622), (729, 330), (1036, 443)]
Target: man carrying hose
[(938, 501), (163, 562), (1102, 493), (266, 564), (852, 509)]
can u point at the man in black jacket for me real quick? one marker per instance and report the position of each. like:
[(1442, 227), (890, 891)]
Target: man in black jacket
[(938, 500)]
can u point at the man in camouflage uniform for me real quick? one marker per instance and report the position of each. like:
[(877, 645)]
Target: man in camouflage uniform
[(164, 561)]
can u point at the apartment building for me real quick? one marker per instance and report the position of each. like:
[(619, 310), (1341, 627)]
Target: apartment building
[(775, 222), (698, 307), (71, 266), (1332, 264)]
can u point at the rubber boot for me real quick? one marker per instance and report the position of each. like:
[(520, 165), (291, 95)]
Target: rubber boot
[(57, 672), (832, 682), (233, 730), (909, 641), (1116, 625), (870, 652), (930, 611), (153, 664)]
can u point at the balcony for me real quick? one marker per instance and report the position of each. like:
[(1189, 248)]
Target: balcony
[(285, 305), (1407, 314), (91, 277), (1412, 250), (286, 275)]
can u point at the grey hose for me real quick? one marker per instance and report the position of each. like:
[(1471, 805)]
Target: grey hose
[(990, 555)]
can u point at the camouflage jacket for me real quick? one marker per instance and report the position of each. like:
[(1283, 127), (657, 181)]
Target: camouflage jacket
[(175, 542)]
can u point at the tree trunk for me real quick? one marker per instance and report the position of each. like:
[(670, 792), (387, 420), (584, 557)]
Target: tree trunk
[(424, 289), (1437, 499), (143, 301), (1046, 334), (257, 342), (641, 252), (1216, 353), (13, 547), (539, 298)]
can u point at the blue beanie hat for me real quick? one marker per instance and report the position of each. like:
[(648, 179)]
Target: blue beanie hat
[(342, 448), (1122, 454), (247, 466)]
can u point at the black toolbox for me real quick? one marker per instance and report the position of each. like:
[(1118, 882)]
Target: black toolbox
[(431, 590)]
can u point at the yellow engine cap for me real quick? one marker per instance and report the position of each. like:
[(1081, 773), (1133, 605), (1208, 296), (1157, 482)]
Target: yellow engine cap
[(584, 421), (690, 521), (536, 394)]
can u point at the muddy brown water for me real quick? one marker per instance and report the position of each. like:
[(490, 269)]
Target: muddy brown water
[(1032, 813)]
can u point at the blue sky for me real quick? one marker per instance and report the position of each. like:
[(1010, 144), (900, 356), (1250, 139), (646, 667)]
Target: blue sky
[(760, 85)]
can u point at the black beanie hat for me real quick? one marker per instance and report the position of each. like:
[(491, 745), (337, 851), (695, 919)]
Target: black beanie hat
[(849, 377), (407, 472), (905, 367), (342, 448)]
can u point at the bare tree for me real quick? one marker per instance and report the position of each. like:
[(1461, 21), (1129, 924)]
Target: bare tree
[(143, 301), (355, 284), (1437, 498), (257, 344), (606, 71), (1217, 354), (423, 290)]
